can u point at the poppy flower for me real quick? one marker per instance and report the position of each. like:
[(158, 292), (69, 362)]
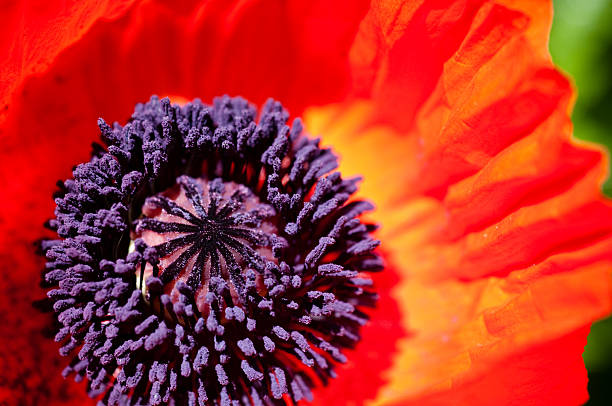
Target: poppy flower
[(495, 237)]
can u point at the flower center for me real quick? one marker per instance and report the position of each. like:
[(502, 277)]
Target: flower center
[(201, 230), (206, 257)]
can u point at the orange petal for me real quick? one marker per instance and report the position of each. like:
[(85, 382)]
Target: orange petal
[(519, 379), (464, 332), (492, 214)]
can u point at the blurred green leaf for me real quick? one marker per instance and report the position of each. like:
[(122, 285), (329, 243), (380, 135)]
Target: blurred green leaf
[(581, 45)]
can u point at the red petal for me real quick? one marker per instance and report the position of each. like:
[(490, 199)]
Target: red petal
[(30, 365), (253, 48), (36, 32)]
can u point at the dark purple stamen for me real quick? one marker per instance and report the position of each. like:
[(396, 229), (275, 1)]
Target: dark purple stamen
[(258, 282)]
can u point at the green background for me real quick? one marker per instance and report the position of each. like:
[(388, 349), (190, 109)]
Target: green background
[(581, 45)]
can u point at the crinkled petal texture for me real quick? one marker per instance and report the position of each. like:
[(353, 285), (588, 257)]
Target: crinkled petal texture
[(491, 212), (35, 32), (498, 242)]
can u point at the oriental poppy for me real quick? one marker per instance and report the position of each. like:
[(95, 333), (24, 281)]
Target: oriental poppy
[(495, 246)]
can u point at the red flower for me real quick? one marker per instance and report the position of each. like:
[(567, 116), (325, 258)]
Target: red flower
[(497, 240)]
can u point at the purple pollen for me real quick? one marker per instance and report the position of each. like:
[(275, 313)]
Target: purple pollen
[(208, 255)]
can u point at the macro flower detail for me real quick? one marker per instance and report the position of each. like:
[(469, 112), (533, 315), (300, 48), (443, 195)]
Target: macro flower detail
[(208, 259), (219, 231), (496, 240)]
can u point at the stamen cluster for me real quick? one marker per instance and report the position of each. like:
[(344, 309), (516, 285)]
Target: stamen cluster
[(258, 285)]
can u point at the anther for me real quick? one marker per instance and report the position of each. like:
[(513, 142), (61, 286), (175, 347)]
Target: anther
[(206, 257)]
